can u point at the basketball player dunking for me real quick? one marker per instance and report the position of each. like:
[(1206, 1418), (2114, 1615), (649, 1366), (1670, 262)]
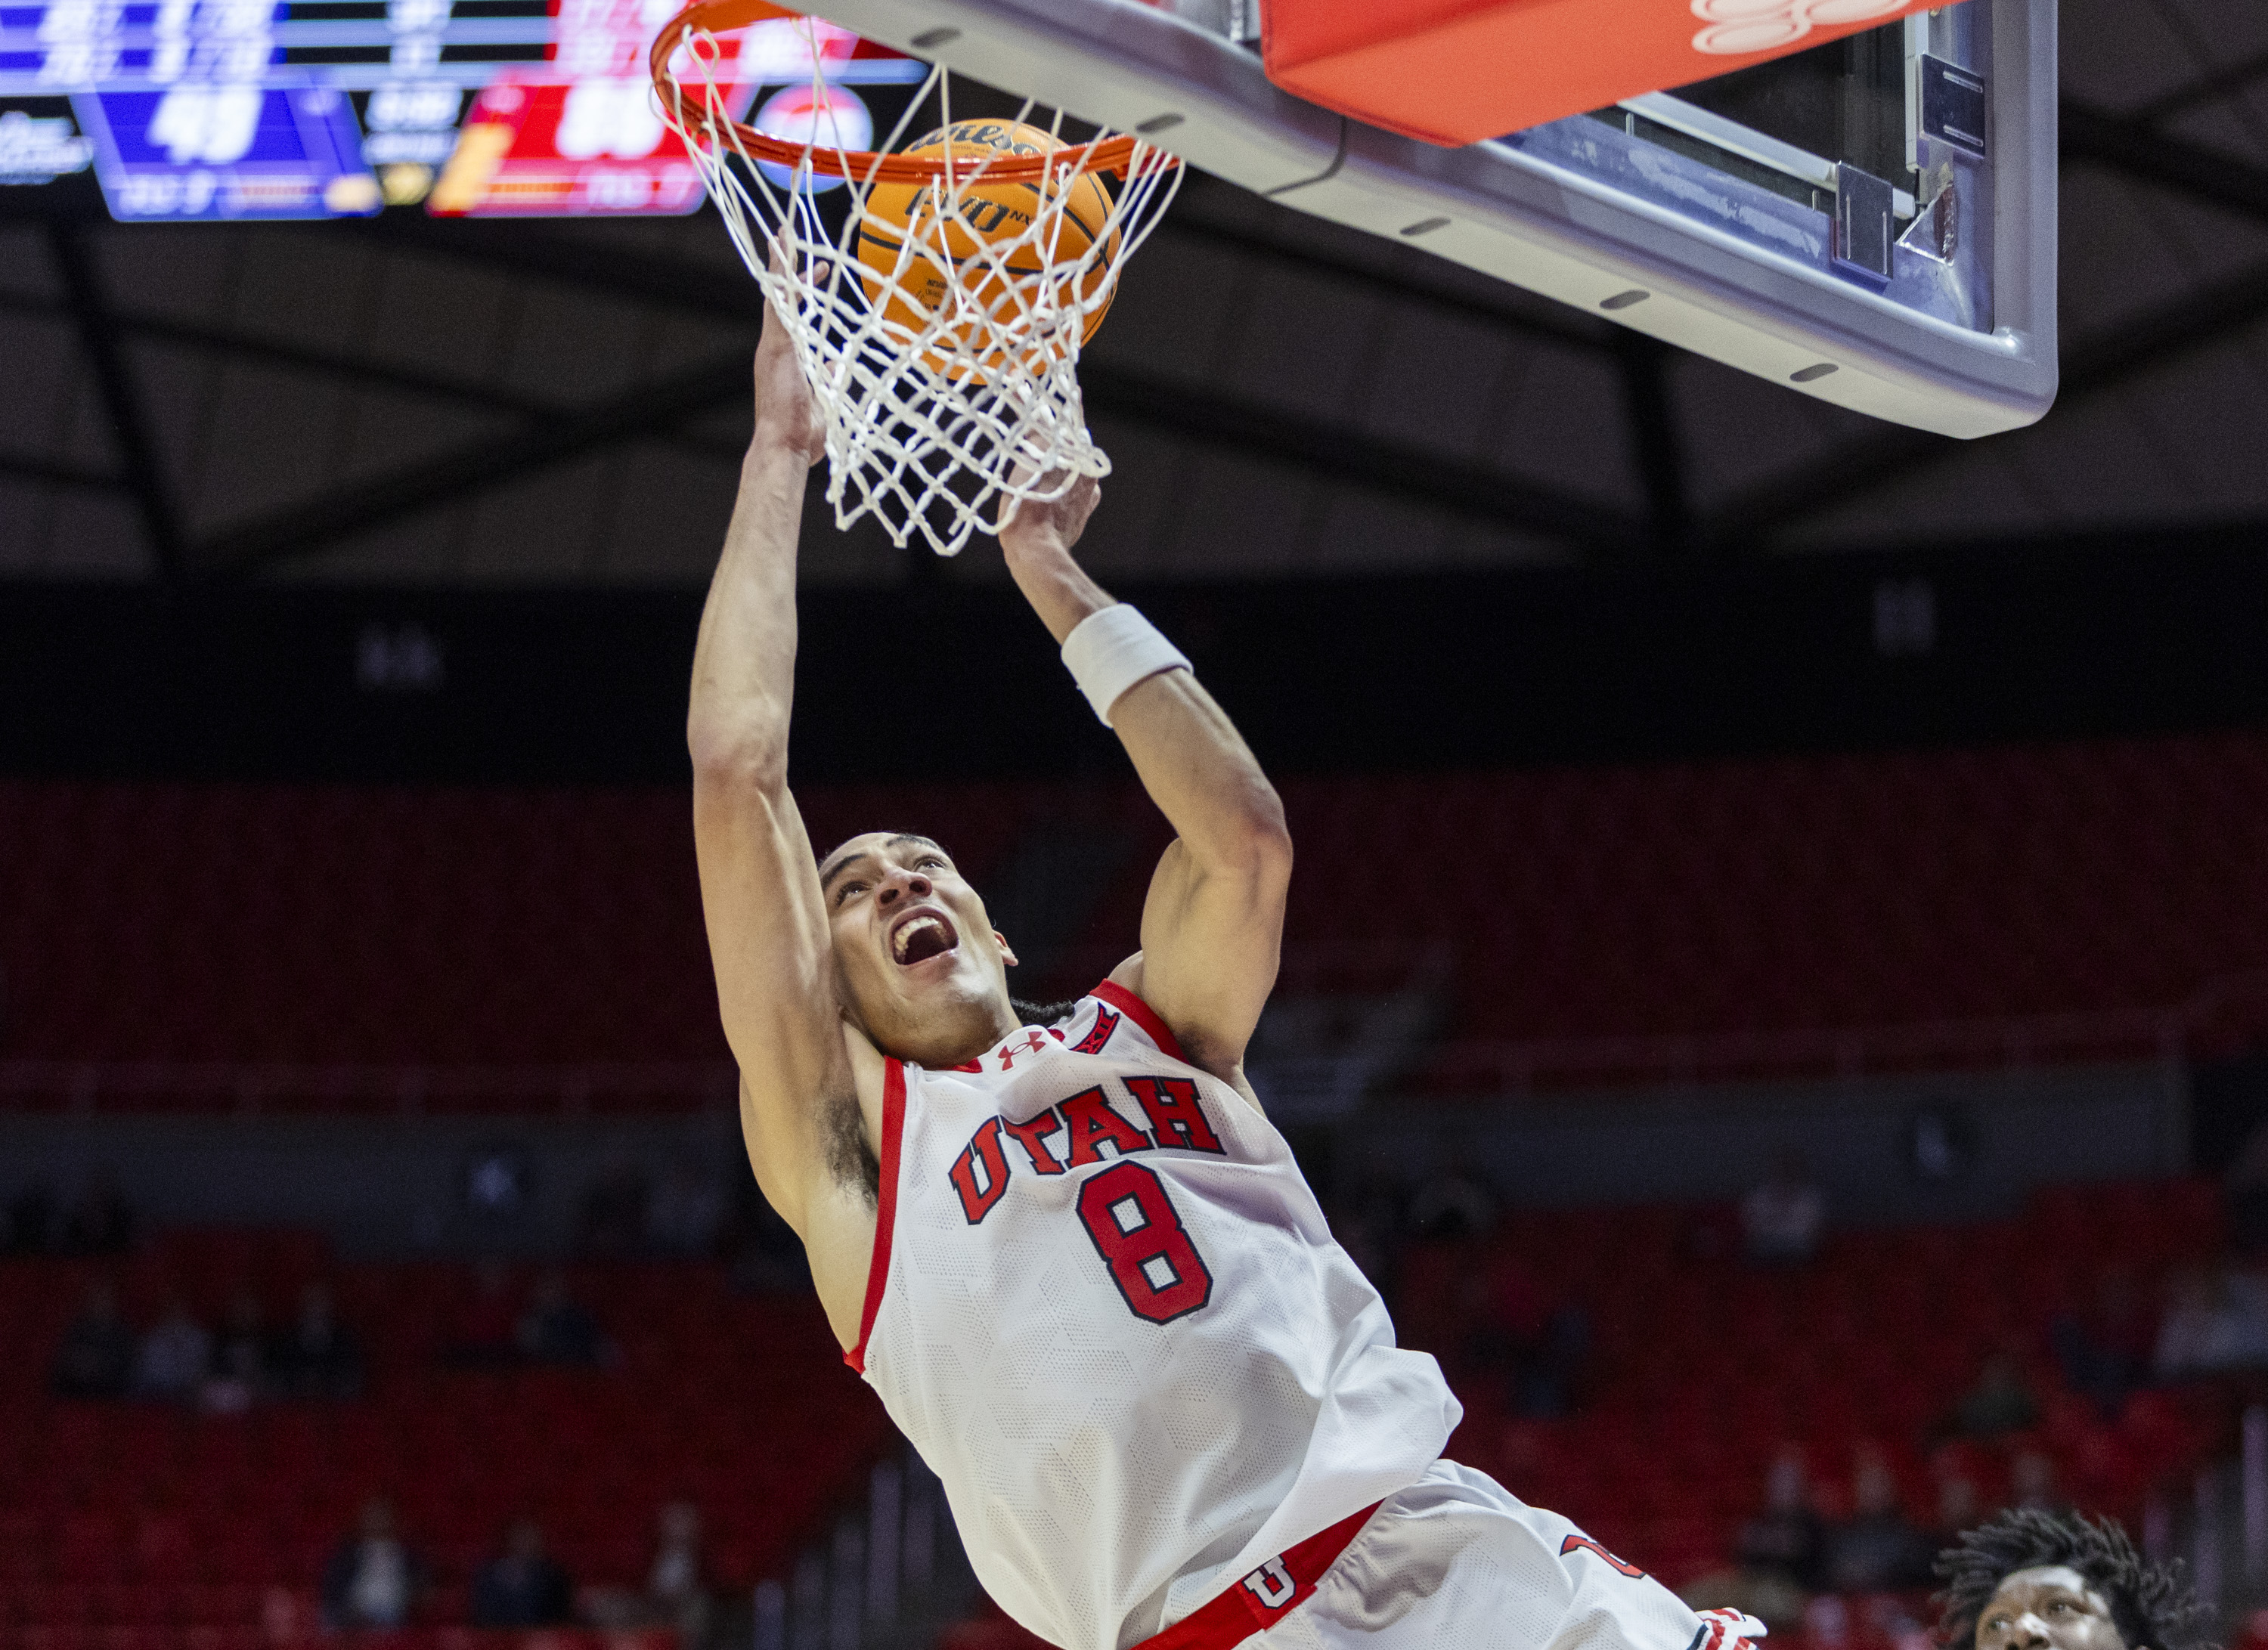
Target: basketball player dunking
[(1075, 1259)]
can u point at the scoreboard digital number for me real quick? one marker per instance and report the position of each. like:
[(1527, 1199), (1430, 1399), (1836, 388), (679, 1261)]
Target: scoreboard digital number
[(183, 110)]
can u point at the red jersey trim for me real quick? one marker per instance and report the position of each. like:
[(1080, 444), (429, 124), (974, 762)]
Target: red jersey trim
[(1142, 1014), (885, 1209), (1254, 1602)]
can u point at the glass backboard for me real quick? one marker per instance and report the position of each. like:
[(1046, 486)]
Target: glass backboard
[(1871, 221)]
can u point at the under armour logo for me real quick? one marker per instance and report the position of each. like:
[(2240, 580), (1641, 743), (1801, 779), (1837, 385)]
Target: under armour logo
[(1272, 1583), (1033, 1042)]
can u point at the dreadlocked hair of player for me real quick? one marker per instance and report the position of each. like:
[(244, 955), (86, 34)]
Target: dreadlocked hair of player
[(2151, 1604), (1041, 1013)]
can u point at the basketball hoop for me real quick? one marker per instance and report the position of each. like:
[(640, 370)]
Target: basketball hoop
[(940, 324)]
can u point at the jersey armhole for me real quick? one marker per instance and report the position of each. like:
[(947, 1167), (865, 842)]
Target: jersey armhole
[(1142, 1014), (886, 1207)]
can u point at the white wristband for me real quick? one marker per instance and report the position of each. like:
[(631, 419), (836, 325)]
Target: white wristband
[(1113, 648)]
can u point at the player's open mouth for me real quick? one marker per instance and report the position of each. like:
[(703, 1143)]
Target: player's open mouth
[(921, 935)]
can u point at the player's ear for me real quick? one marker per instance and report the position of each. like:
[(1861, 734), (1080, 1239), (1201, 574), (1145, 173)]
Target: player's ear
[(1007, 951)]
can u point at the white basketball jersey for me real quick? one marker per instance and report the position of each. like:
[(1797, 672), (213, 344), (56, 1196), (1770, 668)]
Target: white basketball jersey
[(1106, 1308)]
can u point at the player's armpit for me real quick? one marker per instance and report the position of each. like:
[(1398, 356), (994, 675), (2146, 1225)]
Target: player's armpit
[(843, 1205), (831, 1180)]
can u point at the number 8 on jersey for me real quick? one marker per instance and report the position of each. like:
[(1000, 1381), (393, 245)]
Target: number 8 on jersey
[(1139, 1233)]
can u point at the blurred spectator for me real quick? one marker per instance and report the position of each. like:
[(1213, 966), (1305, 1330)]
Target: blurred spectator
[(612, 1224), (1959, 1505), (1879, 1551), (558, 1328), (1503, 1307), (1551, 1381), (2105, 1352), (373, 1580), (1781, 1556), (686, 1209), (2245, 1193), (1783, 1220), (1541, 1344), (1827, 1622), (522, 1585), (1787, 1541), (238, 1377), (677, 1584), (2032, 1482), (676, 1591), (29, 1225), (486, 1332), (2001, 1402), (100, 1222), (173, 1356), (2216, 1321), (317, 1357), (96, 1357), (2187, 1327)]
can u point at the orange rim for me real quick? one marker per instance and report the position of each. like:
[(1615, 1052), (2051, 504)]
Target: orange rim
[(1114, 155)]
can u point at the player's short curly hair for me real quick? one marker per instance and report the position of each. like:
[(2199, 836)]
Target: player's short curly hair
[(2151, 1604)]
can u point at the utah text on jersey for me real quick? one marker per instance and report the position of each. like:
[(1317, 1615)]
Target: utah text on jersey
[(1125, 1210)]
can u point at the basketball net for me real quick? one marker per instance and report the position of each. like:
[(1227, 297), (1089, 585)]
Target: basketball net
[(937, 415)]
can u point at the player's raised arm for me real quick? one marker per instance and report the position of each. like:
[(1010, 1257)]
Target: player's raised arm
[(1214, 919), (768, 930)]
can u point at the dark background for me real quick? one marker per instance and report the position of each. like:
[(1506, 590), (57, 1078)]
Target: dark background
[(2111, 634)]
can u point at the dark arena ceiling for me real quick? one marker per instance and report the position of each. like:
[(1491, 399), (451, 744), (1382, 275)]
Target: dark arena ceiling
[(403, 401)]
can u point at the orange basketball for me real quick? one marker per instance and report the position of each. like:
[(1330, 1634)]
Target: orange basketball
[(923, 250)]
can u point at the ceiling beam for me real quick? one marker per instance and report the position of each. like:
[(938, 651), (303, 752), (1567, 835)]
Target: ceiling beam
[(1332, 452), (1401, 273), (2120, 352), (1266, 433), (2138, 150), (2132, 148), (2222, 82), (1656, 449), (358, 369), (140, 466), (2089, 367), (1757, 513), (729, 294), (428, 483), (1111, 390), (60, 473), (724, 292)]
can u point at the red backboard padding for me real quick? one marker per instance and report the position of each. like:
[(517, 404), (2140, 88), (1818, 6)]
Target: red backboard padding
[(1459, 71)]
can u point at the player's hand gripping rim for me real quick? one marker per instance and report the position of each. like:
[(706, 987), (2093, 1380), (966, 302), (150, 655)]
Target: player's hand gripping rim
[(1052, 519)]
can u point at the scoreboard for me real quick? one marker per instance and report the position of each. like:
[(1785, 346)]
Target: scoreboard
[(223, 110)]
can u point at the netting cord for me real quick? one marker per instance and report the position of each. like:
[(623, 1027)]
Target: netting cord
[(930, 426), (1113, 155)]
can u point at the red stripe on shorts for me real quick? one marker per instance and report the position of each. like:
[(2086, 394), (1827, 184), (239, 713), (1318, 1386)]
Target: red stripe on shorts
[(1259, 1600)]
